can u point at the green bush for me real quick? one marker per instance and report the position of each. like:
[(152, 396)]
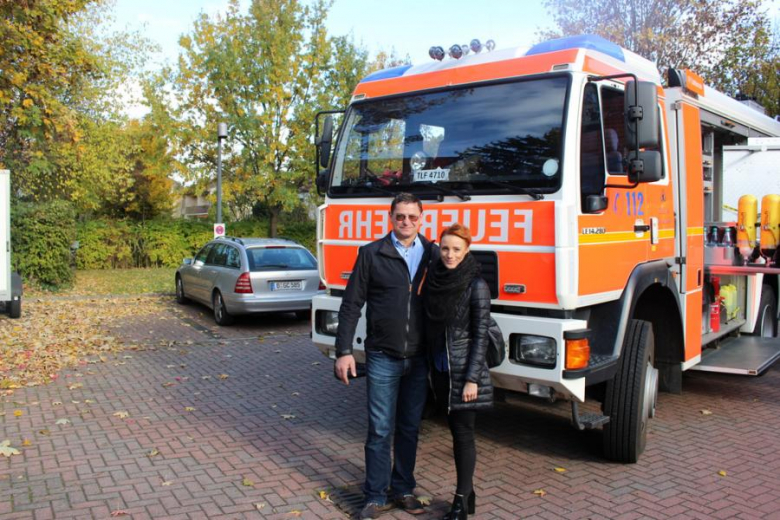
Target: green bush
[(107, 244), (41, 236), (303, 232)]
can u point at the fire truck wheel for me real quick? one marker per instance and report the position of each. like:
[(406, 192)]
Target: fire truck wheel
[(221, 315), (15, 308), (631, 396), (766, 324), (180, 298)]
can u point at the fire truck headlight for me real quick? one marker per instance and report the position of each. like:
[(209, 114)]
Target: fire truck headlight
[(538, 351), (328, 322)]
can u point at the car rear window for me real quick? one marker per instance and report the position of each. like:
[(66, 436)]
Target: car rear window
[(280, 258)]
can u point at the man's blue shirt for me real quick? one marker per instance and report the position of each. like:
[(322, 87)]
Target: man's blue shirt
[(412, 254)]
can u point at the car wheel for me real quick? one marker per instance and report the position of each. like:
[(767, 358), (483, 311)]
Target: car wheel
[(221, 315), (15, 308), (303, 315), (180, 298)]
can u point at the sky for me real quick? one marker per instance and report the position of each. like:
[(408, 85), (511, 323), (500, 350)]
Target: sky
[(408, 27)]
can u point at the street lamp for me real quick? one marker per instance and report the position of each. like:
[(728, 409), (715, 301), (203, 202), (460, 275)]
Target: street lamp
[(221, 134)]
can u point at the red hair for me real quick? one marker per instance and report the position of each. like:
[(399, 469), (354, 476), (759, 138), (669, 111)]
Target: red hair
[(457, 230)]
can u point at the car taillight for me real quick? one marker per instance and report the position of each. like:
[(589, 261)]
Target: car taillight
[(321, 287), (243, 284)]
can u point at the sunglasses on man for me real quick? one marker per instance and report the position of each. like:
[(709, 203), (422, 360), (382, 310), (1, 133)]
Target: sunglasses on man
[(400, 217)]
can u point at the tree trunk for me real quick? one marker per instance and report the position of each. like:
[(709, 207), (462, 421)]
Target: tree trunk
[(274, 222)]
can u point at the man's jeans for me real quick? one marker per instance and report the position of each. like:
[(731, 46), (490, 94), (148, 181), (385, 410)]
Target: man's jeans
[(397, 389)]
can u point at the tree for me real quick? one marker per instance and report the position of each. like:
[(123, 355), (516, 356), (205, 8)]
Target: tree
[(723, 40), (264, 73)]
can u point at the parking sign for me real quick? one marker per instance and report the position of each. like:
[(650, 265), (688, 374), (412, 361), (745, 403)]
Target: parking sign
[(219, 230)]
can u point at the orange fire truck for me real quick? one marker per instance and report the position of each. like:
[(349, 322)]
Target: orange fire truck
[(594, 196)]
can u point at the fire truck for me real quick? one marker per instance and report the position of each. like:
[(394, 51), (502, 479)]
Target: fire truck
[(594, 194)]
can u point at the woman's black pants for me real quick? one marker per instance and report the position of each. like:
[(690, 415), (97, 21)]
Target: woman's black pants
[(462, 424)]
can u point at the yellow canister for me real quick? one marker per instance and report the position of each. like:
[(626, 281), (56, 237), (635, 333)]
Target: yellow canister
[(729, 295), (770, 223), (747, 214)]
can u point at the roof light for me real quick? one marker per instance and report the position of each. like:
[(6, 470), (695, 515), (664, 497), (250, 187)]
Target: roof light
[(490, 45), (476, 46), (583, 41), (456, 52), (436, 52)]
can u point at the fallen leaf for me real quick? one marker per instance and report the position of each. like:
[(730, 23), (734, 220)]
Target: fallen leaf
[(166, 483), (18, 413), (559, 470), (166, 385), (118, 512), (205, 377), (706, 412), (316, 363), (88, 401), (722, 473), (44, 432), (540, 492), (26, 442), (424, 500), (153, 453), (295, 513), (223, 376), (247, 482), (189, 409), (288, 416), (323, 495), (74, 386), (123, 414), (295, 394), (260, 505), (7, 450), (56, 403), (170, 366), (62, 422)]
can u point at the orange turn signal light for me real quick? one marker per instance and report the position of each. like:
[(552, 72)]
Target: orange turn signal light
[(577, 353)]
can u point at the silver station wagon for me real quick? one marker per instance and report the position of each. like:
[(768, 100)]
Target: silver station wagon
[(246, 275)]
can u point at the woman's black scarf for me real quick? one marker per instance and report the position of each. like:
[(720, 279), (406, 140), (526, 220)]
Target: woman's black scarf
[(446, 286)]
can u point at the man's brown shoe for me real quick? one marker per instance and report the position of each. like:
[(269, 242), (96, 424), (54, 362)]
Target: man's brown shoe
[(410, 504), (374, 510)]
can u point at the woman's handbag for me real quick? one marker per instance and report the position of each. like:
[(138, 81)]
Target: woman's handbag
[(496, 351)]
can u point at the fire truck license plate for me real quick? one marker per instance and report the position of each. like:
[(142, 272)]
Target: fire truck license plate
[(294, 285)]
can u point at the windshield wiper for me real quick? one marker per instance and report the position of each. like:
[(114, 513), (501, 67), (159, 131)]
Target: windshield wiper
[(514, 188), (275, 266), (442, 189)]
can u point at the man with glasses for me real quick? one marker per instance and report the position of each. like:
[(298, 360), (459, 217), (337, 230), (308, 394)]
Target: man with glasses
[(387, 277)]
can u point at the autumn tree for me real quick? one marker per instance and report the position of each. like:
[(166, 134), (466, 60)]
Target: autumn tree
[(725, 41), (265, 73)]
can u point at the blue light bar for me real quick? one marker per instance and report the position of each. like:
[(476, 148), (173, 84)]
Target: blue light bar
[(583, 41), (393, 72)]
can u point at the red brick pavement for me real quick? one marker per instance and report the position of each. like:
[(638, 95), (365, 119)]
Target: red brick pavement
[(262, 441)]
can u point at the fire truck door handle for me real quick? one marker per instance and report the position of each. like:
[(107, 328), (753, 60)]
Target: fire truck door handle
[(641, 228)]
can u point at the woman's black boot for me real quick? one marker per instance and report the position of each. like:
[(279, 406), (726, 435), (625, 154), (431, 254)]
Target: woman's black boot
[(471, 503), (458, 509)]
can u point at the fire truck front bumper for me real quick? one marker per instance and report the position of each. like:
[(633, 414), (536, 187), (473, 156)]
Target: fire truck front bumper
[(535, 357)]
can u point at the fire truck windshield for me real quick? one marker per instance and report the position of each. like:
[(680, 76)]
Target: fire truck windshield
[(490, 138)]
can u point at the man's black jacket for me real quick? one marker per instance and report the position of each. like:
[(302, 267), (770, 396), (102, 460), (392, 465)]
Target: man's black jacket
[(394, 313)]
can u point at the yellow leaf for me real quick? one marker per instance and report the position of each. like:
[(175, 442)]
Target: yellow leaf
[(424, 500), (722, 473), (121, 414), (27, 103), (559, 470), (7, 450), (323, 495), (189, 409), (26, 442), (154, 452), (540, 492), (247, 482), (223, 376), (18, 413), (166, 483)]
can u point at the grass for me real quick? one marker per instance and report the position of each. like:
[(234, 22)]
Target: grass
[(99, 282)]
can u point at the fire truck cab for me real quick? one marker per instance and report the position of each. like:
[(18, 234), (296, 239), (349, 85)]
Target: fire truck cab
[(588, 188)]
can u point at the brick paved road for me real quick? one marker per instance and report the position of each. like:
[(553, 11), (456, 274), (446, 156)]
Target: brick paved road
[(263, 439)]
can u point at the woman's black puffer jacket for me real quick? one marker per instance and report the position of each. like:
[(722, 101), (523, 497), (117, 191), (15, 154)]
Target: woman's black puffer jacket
[(467, 342)]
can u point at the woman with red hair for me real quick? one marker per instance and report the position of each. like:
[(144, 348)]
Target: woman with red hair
[(457, 304)]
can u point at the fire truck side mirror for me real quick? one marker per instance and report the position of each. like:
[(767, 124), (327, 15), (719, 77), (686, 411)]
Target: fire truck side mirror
[(324, 141), (641, 114), (644, 168)]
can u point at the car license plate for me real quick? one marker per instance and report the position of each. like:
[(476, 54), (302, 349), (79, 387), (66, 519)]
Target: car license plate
[(291, 285)]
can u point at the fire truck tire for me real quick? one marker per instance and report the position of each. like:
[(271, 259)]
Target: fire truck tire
[(15, 308), (766, 324), (631, 395), (221, 315)]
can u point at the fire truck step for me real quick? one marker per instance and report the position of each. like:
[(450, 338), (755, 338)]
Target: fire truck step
[(746, 355), (592, 420)]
